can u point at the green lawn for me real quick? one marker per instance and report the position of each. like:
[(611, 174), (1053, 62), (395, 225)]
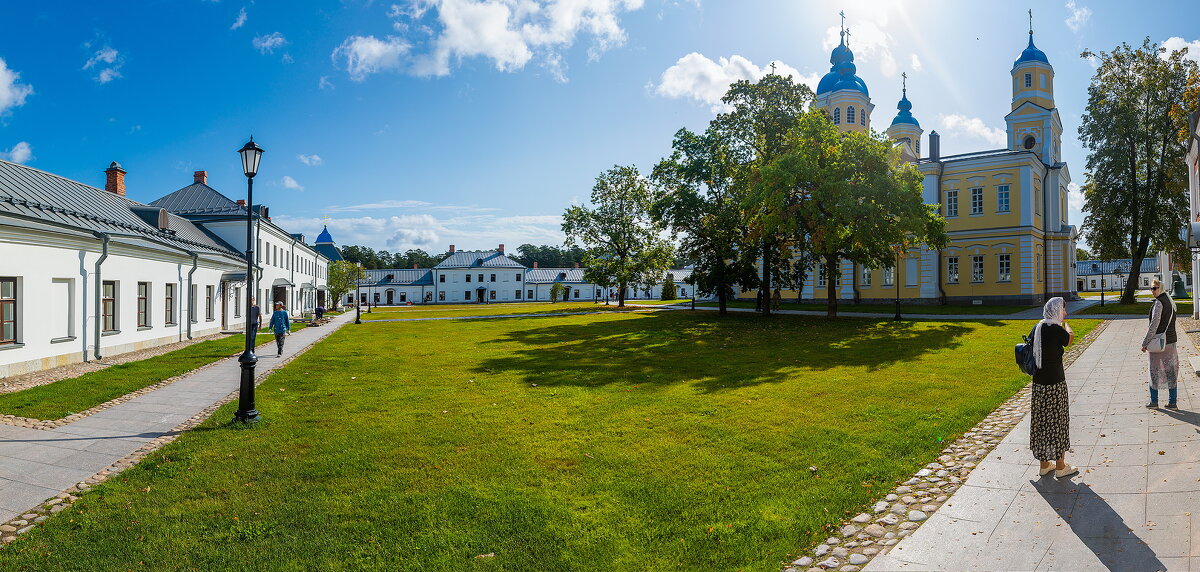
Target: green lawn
[(618, 441), (465, 310), (62, 398), (886, 308), (1140, 307), (658, 302)]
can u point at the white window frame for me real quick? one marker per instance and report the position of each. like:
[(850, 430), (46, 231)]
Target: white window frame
[(1004, 267), (976, 200), (952, 270), (978, 268), (952, 203), (1003, 199)]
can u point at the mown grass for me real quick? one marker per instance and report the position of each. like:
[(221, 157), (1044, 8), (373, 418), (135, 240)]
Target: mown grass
[(849, 308), (1140, 307), (663, 441), (67, 396), (504, 309)]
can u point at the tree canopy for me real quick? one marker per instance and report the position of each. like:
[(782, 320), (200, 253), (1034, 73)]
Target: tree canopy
[(372, 259), (1135, 130), (624, 245), (343, 277)]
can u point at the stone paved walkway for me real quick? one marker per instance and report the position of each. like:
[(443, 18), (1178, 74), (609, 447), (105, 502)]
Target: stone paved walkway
[(38, 464), (1134, 506)]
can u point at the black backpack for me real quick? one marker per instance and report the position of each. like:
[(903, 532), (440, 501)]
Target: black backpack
[(1025, 358)]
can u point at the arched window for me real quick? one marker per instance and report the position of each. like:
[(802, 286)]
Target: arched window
[(850, 114), (863, 117), (837, 115)]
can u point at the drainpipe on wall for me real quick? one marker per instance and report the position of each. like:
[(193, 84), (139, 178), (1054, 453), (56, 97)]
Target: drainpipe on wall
[(938, 273), (191, 296), (99, 292)]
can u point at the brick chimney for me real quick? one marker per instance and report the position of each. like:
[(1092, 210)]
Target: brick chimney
[(200, 177), (535, 264), (115, 179), (414, 266), (451, 249), (241, 202), (576, 265), (501, 249)]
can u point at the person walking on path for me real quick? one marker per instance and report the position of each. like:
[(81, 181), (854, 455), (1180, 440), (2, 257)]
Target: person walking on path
[(281, 325), (255, 321), (1164, 365), (1050, 420)]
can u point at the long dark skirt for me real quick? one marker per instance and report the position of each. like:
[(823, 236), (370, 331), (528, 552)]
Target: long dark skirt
[(1050, 422)]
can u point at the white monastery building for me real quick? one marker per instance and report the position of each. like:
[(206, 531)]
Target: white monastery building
[(87, 272)]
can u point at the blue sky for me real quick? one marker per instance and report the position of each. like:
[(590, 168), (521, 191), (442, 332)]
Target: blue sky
[(434, 122)]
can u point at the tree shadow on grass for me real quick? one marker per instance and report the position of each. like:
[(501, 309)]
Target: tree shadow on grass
[(712, 352)]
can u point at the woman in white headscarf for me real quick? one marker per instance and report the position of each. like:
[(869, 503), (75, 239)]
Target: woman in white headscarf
[(1050, 420), (1164, 364)]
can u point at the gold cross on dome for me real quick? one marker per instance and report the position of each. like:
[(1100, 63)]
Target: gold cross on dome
[(1031, 21), (772, 68), (904, 82), (325, 219), (843, 15)]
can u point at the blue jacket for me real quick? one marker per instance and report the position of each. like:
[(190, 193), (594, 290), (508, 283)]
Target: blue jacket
[(280, 322)]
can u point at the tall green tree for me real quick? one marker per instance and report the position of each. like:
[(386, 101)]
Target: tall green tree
[(850, 196), (697, 198), (624, 244), (1134, 128), (343, 276), (756, 133)]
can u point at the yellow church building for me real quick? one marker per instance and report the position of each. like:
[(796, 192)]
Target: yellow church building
[(1005, 209)]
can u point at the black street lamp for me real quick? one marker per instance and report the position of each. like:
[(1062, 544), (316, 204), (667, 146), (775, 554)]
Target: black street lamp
[(358, 300), (251, 153)]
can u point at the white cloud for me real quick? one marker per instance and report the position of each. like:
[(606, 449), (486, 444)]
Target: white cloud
[(324, 83), (20, 153), (431, 232), (310, 160), (508, 33), (869, 42), (107, 62), (364, 55), (916, 63), (696, 77), (240, 21), (12, 93), (1175, 43), (290, 183), (1074, 198), (1079, 16), (410, 204), (269, 43), (963, 126)]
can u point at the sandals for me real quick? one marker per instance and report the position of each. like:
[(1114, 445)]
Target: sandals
[(1043, 472), (1070, 470)]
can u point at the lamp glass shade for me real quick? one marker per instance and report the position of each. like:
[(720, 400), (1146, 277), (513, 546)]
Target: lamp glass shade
[(251, 153)]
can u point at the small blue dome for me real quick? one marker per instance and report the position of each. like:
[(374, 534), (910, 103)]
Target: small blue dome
[(842, 73), (905, 115), (324, 237), (1032, 54)]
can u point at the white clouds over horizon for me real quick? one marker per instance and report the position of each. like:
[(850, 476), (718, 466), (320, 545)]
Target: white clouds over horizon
[(432, 233), (290, 183), (508, 33), (1175, 43), (12, 93), (269, 43), (107, 62), (869, 42), (971, 127), (1079, 16), (20, 153), (699, 78), (310, 160)]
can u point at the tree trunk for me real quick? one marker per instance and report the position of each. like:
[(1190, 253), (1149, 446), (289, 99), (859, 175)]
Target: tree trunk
[(621, 295), (830, 288), (764, 290), (722, 304)]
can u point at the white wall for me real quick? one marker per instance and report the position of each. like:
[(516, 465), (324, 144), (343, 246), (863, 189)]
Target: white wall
[(56, 330)]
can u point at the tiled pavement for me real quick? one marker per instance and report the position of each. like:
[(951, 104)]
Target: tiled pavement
[(38, 464), (1134, 506)]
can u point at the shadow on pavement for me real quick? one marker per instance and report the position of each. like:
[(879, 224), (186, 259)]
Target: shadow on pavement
[(1100, 527)]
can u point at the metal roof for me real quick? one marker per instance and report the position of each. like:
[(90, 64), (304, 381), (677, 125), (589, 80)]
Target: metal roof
[(478, 259), (199, 198), (1094, 267), (32, 193), (328, 250), (550, 275), (399, 277)]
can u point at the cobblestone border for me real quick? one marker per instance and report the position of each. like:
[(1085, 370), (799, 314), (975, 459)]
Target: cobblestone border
[(902, 511), (10, 530)]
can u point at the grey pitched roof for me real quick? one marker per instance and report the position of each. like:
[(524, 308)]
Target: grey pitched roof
[(400, 277), (199, 198), (30, 193), (551, 275), (478, 259), (1094, 267)]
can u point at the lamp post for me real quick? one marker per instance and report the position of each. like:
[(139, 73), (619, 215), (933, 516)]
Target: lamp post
[(251, 153), (358, 300)]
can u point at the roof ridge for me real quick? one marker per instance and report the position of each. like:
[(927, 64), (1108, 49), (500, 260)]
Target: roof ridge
[(73, 181)]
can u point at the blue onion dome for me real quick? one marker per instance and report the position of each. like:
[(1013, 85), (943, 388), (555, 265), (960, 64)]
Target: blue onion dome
[(842, 73), (1032, 54), (324, 236), (905, 115)]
